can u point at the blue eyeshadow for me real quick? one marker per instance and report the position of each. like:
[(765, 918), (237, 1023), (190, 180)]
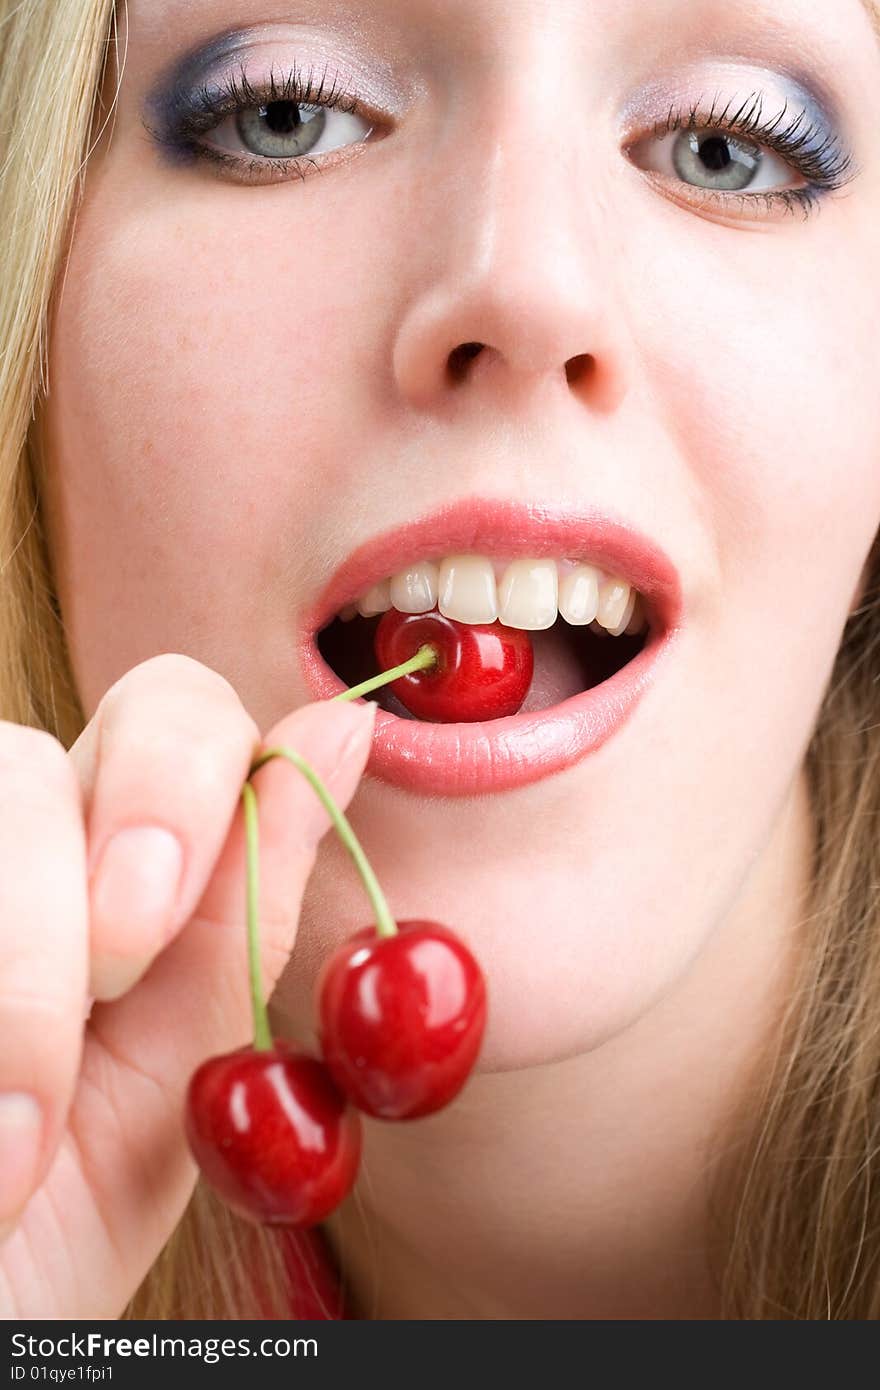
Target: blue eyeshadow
[(175, 94)]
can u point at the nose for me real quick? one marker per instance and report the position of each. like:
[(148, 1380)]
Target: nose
[(514, 292)]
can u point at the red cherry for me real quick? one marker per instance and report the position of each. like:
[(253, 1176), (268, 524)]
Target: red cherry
[(401, 1018), (484, 670), (272, 1135)]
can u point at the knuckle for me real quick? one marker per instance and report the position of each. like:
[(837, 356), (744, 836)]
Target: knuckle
[(192, 755), (207, 775), (180, 696), (168, 670), (30, 1010)]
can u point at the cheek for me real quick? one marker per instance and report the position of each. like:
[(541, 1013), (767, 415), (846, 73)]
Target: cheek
[(203, 379), (193, 341), (767, 385), (768, 388)]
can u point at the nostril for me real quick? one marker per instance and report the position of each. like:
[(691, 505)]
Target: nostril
[(578, 369), (460, 357)]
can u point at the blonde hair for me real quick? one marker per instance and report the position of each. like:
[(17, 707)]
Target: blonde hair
[(801, 1215)]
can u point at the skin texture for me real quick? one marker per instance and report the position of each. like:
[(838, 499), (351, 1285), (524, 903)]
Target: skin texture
[(226, 357)]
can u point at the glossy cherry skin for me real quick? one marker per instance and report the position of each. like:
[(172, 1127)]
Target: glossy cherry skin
[(484, 670), (272, 1135), (401, 1018)]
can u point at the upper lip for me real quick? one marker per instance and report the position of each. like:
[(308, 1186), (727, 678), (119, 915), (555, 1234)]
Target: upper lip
[(498, 527)]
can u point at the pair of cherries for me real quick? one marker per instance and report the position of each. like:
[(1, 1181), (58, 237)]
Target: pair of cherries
[(401, 1006)]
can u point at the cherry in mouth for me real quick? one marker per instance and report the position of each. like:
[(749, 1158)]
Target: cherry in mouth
[(568, 660), (480, 670)]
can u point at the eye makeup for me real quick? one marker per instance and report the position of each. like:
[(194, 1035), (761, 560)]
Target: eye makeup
[(731, 84), (189, 96), (766, 109), (201, 109), (811, 151), (773, 110)]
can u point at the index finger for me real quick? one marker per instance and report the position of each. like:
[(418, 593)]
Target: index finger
[(161, 766)]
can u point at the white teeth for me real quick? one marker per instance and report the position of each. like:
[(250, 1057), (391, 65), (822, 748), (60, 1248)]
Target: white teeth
[(623, 621), (579, 594), (375, 600), (613, 599), (527, 594), (415, 590), (467, 589)]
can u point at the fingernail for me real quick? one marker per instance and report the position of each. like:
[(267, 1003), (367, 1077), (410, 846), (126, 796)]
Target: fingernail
[(21, 1128), (135, 888), (330, 729), (328, 747), (366, 719), (352, 734)]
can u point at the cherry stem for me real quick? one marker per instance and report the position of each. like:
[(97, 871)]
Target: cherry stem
[(262, 1032), (425, 656), (385, 924)]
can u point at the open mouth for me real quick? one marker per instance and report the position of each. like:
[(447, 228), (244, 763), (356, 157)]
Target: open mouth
[(569, 659), (586, 683)]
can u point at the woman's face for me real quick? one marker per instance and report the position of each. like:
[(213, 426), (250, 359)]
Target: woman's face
[(248, 382)]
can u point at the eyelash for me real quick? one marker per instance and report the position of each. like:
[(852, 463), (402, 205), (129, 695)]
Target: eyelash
[(195, 114), (826, 165)]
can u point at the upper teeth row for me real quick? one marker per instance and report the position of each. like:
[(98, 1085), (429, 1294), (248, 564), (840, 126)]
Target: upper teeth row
[(520, 593)]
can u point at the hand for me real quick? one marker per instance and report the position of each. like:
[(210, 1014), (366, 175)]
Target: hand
[(107, 1006)]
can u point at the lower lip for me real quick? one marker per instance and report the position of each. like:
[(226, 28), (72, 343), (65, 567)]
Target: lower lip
[(499, 754)]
